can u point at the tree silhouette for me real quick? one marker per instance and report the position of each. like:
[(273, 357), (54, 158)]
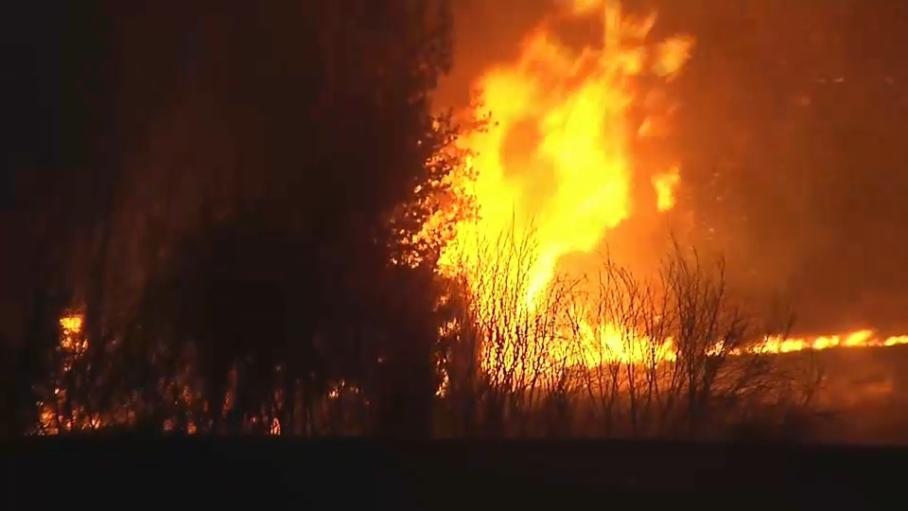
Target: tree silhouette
[(236, 236)]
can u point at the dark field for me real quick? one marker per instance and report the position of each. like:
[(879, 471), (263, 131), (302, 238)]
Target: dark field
[(329, 474)]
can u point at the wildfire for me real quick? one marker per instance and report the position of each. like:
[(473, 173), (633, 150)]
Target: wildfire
[(53, 416), (557, 162), (557, 158), (556, 165), (609, 344), (71, 339), (858, 339)]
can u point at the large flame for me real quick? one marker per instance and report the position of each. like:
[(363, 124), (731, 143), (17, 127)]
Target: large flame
[(556, 159), (556, 164)]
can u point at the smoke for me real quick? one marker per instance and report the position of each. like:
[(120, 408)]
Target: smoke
[(789, 137)]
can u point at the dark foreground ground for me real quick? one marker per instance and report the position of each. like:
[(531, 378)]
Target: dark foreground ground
[(334, 474)]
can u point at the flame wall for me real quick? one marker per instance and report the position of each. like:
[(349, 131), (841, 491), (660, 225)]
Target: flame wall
[(787, 135)]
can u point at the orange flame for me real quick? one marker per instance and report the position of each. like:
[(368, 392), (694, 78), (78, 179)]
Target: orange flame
[(557, 160), (665, 184), (864, 338), (71, 339)]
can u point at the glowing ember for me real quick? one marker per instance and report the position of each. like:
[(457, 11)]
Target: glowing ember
[(71, 324), (609, 344), (71, 339), (556, 165), (71, 348)]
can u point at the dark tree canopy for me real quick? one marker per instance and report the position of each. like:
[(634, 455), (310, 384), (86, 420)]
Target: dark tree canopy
[(220, 179)]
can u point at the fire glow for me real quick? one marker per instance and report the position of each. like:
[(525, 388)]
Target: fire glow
[(557, 162), (557, 158), (864, 338)]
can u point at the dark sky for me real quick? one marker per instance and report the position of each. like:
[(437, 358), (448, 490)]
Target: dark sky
[(792, 137), (49, 88)]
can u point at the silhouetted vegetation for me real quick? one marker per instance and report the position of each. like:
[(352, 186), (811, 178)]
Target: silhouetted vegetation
[(231, 258), (593, 356), (238, 260)]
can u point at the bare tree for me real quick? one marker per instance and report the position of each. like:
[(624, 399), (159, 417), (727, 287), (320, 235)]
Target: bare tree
[(636, 357), (709, 328), (507, 354)]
